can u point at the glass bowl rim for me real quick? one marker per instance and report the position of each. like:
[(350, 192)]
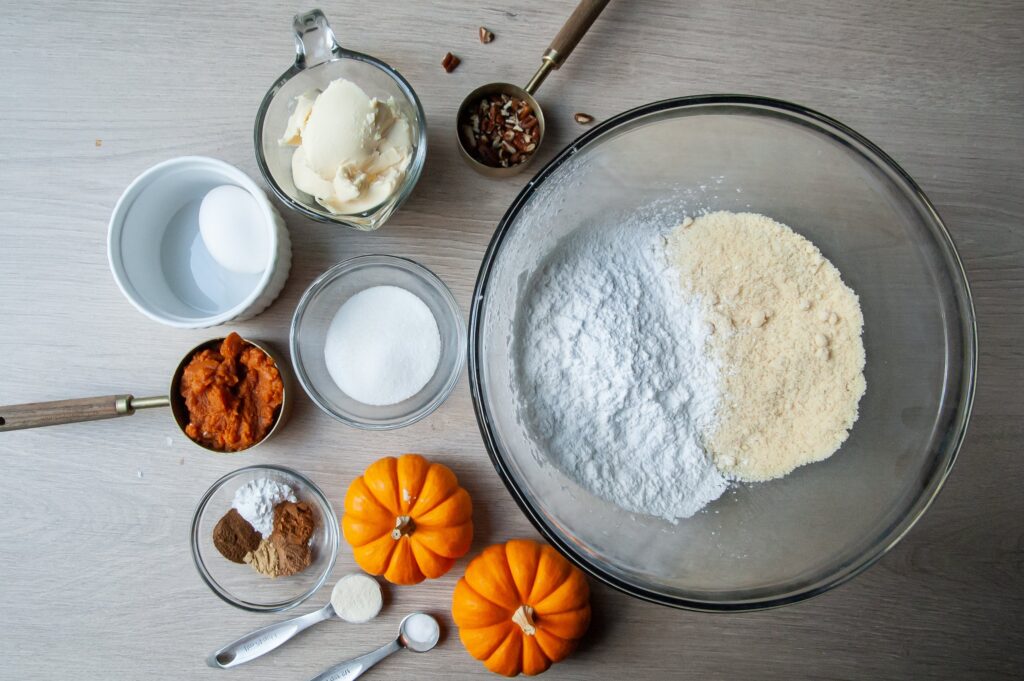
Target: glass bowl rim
[(333, 534), (944, 458), (392, 261), (416, 163)]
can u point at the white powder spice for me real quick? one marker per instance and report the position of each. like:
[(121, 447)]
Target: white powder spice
[(787, 331), (255, 501), (613, 375)]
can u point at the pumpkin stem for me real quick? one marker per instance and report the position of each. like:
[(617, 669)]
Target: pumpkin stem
[(403, 526), (523, 616)]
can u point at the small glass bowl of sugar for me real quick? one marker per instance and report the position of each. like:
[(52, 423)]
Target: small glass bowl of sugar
[(378, 342)]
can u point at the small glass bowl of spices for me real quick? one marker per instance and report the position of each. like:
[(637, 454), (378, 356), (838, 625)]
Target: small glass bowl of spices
[(378, 342), (264, 538)]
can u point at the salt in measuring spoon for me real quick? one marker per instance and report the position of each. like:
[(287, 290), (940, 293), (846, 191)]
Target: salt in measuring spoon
[(418, 632), (262, 641)]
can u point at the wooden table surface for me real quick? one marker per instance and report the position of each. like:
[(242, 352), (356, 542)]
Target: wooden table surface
[(96, 580)]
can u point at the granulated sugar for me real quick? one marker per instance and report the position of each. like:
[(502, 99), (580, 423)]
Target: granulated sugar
[(614, 376), (787, 331), (383, 346)]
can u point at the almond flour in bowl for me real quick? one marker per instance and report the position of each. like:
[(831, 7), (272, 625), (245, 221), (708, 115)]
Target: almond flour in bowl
[(789, 331)]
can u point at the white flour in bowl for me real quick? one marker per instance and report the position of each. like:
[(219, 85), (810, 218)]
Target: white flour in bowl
[(614, 377)]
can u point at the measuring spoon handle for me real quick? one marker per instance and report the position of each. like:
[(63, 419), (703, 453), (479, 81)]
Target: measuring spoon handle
[(573, 30), (39, 414), (262, 641), (346, 671)]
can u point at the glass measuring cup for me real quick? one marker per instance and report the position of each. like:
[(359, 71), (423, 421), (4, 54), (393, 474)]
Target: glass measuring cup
[(318, 61)]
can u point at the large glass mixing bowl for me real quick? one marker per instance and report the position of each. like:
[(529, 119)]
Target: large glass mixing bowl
[(760, 545)]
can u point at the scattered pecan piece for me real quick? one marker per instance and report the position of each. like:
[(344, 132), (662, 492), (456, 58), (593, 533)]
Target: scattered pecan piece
[(583, 118), (450, 62), (485, 35)]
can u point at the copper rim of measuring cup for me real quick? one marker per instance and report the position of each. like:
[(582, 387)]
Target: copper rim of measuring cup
[(464, 112), (180, 412)]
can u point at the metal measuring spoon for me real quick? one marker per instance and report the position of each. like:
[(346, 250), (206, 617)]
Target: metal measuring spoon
[(262, 641), (418, 632), (561, 47)]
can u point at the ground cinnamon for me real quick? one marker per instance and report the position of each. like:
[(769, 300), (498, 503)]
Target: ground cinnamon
[(294, 523), (234, 537), (294, 558)]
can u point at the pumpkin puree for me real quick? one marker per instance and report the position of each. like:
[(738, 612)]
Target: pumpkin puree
[(232, 395)]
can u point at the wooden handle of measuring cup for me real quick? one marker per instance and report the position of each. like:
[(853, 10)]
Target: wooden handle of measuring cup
[(573, 31), (39, 414)]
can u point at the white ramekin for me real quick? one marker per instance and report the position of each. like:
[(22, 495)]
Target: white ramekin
[(147, 270)]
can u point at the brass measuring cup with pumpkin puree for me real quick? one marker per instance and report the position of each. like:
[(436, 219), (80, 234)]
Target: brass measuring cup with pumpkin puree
[(40, 414)]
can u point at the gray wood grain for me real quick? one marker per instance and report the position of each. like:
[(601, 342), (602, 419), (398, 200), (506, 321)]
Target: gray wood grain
[(95, 575)]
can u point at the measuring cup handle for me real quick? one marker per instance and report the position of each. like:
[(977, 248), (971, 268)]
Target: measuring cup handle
[(262, 641), (351, 669), (573, 31), (314, 39), (39, 414)]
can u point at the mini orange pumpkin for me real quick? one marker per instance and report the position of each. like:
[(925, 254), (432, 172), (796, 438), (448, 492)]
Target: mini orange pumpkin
[(407, 519), (520, 607)]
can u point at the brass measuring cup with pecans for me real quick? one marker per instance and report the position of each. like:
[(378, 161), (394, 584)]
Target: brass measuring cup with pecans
[(500, 126)]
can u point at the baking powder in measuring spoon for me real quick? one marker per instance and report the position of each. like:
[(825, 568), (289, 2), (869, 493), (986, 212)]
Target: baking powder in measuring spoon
[(357, 598)]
